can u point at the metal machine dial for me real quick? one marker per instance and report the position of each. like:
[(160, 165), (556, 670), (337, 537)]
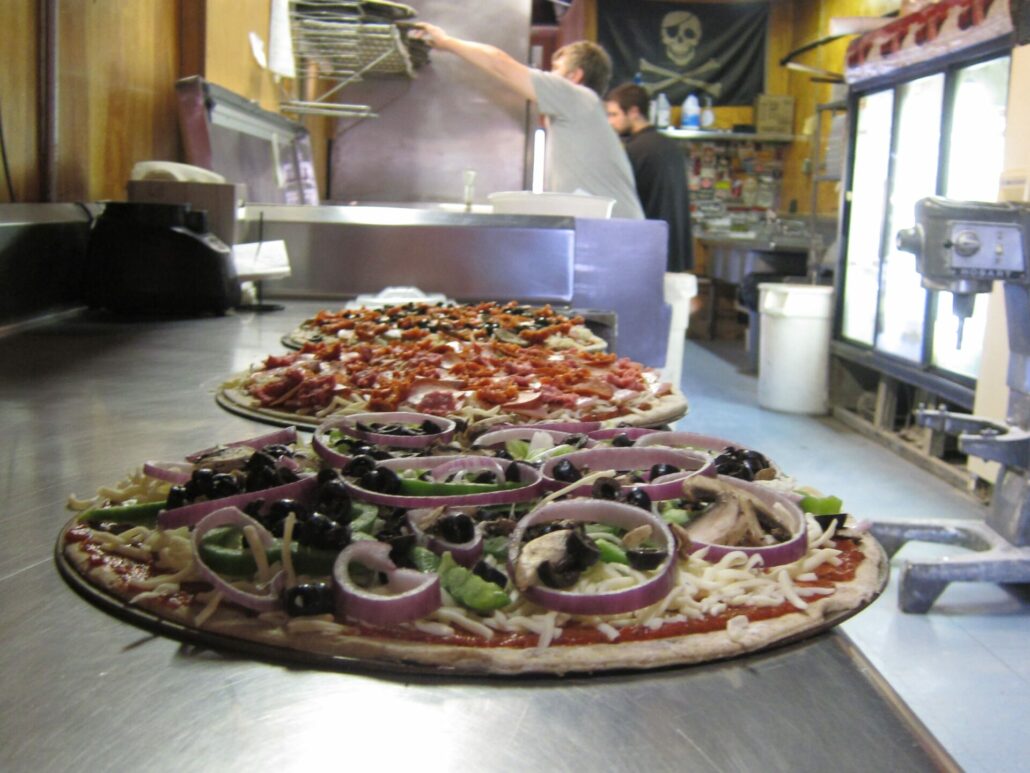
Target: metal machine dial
[(966, 243)]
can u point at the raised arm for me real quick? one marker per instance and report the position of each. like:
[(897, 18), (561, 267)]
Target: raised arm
[(487, 58)]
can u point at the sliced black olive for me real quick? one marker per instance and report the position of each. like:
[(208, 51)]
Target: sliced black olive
[(490, 573), (314, 598), (643, 559), (622, 440), (565, 471), (638, 498), (223, 485), (381, 479), (320, 531), (327, 474), (286, 475), (577, 441), (253, 508), (259, 460), (485, 476), (400, 548), (657, 470), (559, 574), (279, 511), (201, 480), (334, 499), (502, 453), (176, 497), (581, 551), (430, 428), (605, 488), (359, 465), (261, 478), (277, 450), (456, 527), (512, 473)]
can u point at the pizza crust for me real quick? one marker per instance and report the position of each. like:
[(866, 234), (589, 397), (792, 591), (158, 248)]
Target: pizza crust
[(666, 409), (338, 643)]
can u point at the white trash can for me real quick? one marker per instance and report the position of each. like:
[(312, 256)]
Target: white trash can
[(794, 347)]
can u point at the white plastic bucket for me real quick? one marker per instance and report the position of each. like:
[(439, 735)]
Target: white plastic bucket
[(794, 347), (679, 290)]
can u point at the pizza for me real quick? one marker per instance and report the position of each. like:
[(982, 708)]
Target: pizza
[(481, 381), (407, 541), (510, 322)]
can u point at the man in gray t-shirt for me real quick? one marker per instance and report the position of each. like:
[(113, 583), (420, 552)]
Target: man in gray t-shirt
[(584, 155)]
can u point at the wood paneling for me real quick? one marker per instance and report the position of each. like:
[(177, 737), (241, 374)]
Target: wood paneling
[(18, 95)]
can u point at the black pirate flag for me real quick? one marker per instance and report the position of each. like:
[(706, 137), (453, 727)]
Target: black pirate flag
[(715, 50)]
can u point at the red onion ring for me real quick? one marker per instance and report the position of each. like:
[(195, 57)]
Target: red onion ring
[(415, 594), (633, 458), (285, 436), (772, 555), (173, 472), (633, 433), (233, 516), (190, 515), (611, 602), (688, 440), (525, 432), (528, 475), (572, 427), (468, 464), (465, 553), (321, 446), (348, 425)]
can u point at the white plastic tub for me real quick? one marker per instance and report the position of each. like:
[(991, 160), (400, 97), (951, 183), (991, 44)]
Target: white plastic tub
[(794, 347), (679, 290)]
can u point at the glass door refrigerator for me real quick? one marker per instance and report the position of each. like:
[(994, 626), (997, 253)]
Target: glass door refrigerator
[(935, 128)]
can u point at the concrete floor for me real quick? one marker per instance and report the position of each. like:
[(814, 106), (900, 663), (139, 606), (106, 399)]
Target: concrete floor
[(964, 667)]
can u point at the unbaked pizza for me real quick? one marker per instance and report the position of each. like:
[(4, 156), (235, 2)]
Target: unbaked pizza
[(398, 539), (479, 380), (511, 323)]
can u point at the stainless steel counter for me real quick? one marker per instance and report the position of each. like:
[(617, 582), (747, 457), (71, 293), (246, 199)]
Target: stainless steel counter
[(84, 401)]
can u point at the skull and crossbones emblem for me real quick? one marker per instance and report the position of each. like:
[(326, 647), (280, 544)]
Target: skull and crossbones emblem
[(681, 35)]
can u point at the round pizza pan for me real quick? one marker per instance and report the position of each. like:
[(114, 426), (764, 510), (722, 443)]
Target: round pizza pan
[(310, 423), (224, 644)]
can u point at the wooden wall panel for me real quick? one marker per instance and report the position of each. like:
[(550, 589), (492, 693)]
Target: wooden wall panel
[(117, 67), (19, 92)]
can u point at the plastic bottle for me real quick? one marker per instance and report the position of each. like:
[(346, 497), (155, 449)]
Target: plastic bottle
[(662, 117), (691, 115)]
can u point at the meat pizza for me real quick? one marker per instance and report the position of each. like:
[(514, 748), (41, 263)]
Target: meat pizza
[(479, 382), (403, 540)]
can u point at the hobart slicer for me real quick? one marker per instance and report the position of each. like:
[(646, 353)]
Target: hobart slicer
[(962, 247)]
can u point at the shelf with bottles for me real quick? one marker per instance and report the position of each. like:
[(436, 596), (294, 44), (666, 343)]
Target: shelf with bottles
[(743, 175)]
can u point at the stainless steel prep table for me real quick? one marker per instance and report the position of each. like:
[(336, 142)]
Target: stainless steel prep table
[(84, 401)]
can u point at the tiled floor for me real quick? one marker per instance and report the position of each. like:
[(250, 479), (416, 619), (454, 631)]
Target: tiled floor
[(963, 668)]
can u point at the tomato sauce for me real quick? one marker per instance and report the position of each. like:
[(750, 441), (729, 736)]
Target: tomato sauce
[(851, 556)]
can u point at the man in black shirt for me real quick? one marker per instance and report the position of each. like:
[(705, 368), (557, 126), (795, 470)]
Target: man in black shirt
[(659, 168)]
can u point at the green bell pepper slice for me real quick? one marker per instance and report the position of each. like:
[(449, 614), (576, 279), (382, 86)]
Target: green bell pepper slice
[(469, 589), (141, 514)]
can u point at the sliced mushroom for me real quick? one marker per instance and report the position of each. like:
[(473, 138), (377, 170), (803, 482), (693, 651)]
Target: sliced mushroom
[(636, 537), (548, 547), (724, 522), (226, 459)]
